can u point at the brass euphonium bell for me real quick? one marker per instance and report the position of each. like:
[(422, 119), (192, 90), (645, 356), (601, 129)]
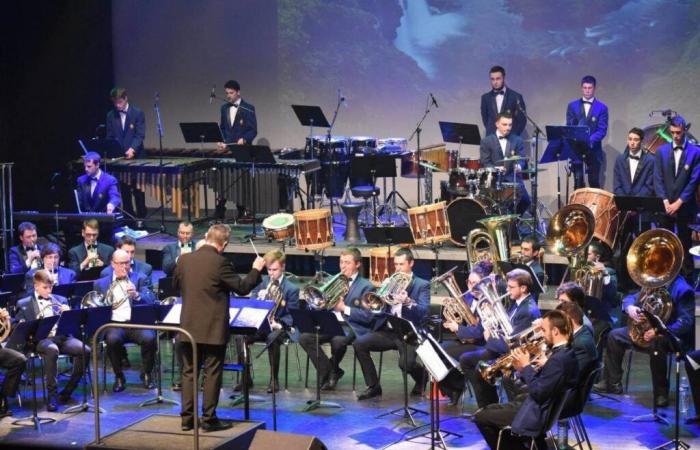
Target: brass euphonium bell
[(570, 230), (387, 292), (5, 325), (453, 307), (490, 244), (328, 295)]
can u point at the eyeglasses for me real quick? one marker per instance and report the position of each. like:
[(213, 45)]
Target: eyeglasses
[(122, 263)]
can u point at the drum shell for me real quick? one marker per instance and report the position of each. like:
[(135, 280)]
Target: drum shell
[(279, 233), (602, 205), (381, 264), (463, 214), (429, 223), (313, 229)]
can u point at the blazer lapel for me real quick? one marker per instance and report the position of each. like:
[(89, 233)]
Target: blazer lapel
[(34, 305)]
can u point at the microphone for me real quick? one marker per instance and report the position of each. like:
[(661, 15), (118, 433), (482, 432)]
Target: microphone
[(432, 99), (342, 98), (212, 96)]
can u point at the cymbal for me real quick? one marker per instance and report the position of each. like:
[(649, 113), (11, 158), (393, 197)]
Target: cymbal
[(429, 166), (513, 158), (531, 171), (695, 251)]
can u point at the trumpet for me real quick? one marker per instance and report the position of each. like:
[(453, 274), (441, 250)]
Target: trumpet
[(95, 260), (388, 292)]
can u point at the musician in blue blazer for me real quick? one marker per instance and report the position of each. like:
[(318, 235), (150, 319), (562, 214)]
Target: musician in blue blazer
[(98, 191), (634, 168), (184, 244), (128, 244), (238, 123), (590, 112), (126, 124), (545, 385), (358, 320), (502, 99), (26, 255), (99, 254), (412, 305), (505, 144), (50, 257)]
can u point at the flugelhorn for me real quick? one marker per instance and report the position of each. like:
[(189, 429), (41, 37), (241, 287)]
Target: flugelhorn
[(328, 295), (388, 292), (454, 308)]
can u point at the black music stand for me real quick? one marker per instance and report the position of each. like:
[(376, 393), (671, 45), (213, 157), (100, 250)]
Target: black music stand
[(27, 335), (408, 333), (373, 166), (84, 323), (639, 205), (201, 132), (252, 154), (12, 282), (166, 288), (311, 116), (460, 133), (557, 150), (107, 148), (74, 292), (172, 318), (317, 322), (575, 141), (91, 274)]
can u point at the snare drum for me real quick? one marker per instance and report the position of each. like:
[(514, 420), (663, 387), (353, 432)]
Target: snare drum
[(469, 163), (381, 264), (313, 229), (602, 205), (429, 224), (279, 227), (463, 214)]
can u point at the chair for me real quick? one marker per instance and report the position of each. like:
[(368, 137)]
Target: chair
[(575, 406)]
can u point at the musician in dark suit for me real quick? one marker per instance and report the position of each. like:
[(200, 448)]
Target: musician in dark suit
[(127, 125), (90, 253), (502, 99), (590, 112), (676, 178), (50, 257), (558, 374), (98, 191), (582, 340), (185, 244), (358, 319), (521, 313), (573, 292), (13, 362), (504, 144), (599, 309), (127, 289), (42, 303), (26, 255), (530, 251), (128, 244), (634, 168), (412, 305), (205, 279), (238, 123), (681, 324)]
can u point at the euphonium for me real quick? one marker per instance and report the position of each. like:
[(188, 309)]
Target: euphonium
[(5, 324), (454, 308), (495, 238), (328, 295), (590, 278), (653, 261), (491, 311), (387, 292), (535, 346), (275, 294)]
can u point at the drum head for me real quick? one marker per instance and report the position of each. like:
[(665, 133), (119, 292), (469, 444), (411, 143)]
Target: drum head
[(278, 221), (463, 214)]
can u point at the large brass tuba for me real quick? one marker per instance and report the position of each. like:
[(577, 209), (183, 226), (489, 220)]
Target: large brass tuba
[(454, 308), (653, 261), (569, 233), (386, 294), (328, 295), (490, 309), (490, 244)]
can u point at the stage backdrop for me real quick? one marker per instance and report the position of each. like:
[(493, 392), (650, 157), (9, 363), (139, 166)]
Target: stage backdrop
[(387, 55)]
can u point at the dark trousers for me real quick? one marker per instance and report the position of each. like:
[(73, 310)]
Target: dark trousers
[(274, 342), (339, 345), (593, 159), (133, 200), (379, 341), (492, 418), (684, 233), (455, 384), (14, 362), (211, 358), (115, 339), (50, 348), (619, 341), (694, 379), (484, 392)]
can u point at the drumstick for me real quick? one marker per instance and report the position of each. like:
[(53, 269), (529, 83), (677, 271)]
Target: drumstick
[(256, 250)]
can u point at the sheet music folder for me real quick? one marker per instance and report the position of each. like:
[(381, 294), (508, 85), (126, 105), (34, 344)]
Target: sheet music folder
[(199, 132), (460, 133), (311, 116)]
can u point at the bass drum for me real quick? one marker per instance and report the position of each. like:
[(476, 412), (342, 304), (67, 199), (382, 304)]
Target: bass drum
[(463, 213)]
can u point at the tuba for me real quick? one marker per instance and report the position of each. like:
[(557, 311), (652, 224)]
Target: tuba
[(490, 309), (653, 261), (569, 233), (5, 324), (491, 244), (386, 294), (454, 308), (328, 295)]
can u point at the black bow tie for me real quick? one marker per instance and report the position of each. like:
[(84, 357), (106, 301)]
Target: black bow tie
[(590, 102), (122, 112), (501, 92), (44, 298), (678, 148), (634, 157), (29, 249), (93, 179), (502, 137)]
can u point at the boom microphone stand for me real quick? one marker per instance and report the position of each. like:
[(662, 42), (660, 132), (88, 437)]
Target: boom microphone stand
[(416, 132)]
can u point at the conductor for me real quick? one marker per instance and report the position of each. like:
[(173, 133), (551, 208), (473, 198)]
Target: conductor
[(205, 278)]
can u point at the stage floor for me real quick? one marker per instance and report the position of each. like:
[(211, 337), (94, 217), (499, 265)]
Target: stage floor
[(355, 426)]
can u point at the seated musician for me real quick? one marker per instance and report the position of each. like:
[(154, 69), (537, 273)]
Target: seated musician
[(411, 304), (357, 318), (50, 258), (185, 244), (657, 345), (128, 244), (42, 303), (599, 309), (573, 292), (275, 261), (90, 253), (127, 289), (521, 313), (526, 417), (14, 363), (504, 144), (98, 191), (530, 251), (25, 256)]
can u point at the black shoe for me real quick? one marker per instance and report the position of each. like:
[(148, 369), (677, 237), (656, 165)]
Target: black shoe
[(269, 388), (334, 378), (370, 392), (418, 390), (215, 425), (52, 403), (187, 425), (148, 381), (4, 407), (119, 383), (661, 401), (602, 387), (455, 396), (64, 396), (177, 387)]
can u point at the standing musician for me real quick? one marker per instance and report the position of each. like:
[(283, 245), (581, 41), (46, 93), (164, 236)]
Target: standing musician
[(676, 178), (205, 278), (505, 144), (680, 323), (13, 362), (357, 318), (98, 191), (383, 338), (90, 253), (590, 112), (26, 255), (634, 168), (526, 417), (50, 258), (238, 123), (127, 289), (127, 125), (521, 313), (185, 244), (42, 303), (502, 99)]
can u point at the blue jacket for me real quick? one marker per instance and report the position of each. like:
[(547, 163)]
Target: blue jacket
[(170, 255), (138, 279), (643, 184), (558, 374), (583, 346), (596, 121), (419, 291), (134, 131), (244, 126), (670, 186), (28, 308), (106, 191), (17, 258), (510, 102), (291, 297), (65, 276), (77, 254), (472, 333), (521, 318), (360, 319)]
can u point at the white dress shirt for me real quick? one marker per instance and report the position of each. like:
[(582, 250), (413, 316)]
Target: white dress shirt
[(587, 106), (503, 143), (122, 115), (123, 313), (93, 182), (232, 111), (499, 100), (677, 156), (634, 163)]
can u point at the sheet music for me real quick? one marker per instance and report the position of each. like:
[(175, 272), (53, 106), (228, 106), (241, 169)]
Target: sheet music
[(694, 364), (249, 317), (173, 316)]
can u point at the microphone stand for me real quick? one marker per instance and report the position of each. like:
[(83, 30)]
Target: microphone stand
[(156, 108), (416, 132), (333, 156), (533, 177)]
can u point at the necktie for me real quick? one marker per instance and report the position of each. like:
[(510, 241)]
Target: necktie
[(500, 92), (634, 157)]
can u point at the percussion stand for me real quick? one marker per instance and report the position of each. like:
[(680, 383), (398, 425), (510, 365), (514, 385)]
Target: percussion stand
[(156, 108), (533, 177), (416, 132), (435, 247)]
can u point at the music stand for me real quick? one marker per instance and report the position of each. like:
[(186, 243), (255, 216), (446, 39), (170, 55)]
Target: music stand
[(317, 322), (91, 274), (107, 148), (201, 132), (12, 282), (639, 205), (28, 335), (557, 150), (373, 166), (166, 288), (311, 116), (460, 133), (73, 291), (575, 138), (84, 323)]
